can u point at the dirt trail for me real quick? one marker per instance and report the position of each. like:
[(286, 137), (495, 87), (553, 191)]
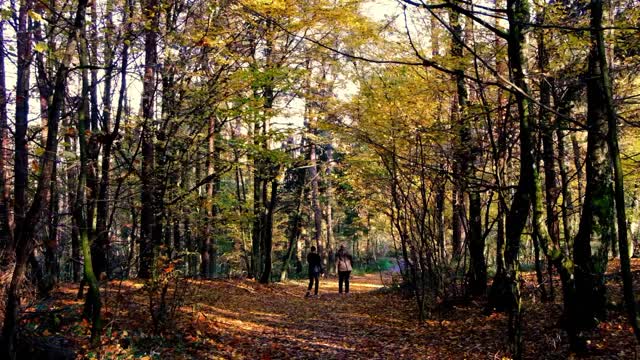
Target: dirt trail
[(268, 322), (241, 319), (279, 322)]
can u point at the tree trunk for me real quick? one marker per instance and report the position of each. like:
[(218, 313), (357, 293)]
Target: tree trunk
[(507, 287), (24, 239), (83, 209), (209, 245), (315, 202), (241, 198), (294, 225), (563, 105), (597, 39), (456, 224), (597, 230), (500, 147), (20, 182), (329, 207), (457, 120), (552, 190), (47, 277), (538, 264), (101, 247), (577, 162), (51, 266), (465, 168), (258, 208), (439, 218), (148, 215), (477, 275), (265, 278), (72, 184), (6, 225)]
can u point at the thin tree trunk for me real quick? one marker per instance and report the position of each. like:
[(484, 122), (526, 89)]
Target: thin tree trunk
[(268, 168), (265, 278), (439, 219), (517, 14), (20, 183), (477, 275), (500, 151), (465, 169), (241, 198), (538, 264), (315, 201), (597, 232), (83, 210), (70, 146), (258, 207), (563, 104), (577, 162), (25, 229), (458, 109), (6, 234), (329, 206), (209, 245), (47, 277), (552, 190), (102, 237), (597, 38), (148, 216), (294, 225)]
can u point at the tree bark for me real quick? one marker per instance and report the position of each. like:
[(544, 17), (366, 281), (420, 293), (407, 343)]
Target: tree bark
[(265, 278), (24, 239), (465, 168), (85, 204), (596, 232), (295, 219), (597, 39), (148, 215), (563, 105), (509, 284), (329, 206), (21, 162), (552, 190), (101, 248), (6, 234), (477, 275), (315, 202)]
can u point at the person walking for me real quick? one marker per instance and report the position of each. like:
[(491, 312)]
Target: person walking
[(343, 267), (315, 269)]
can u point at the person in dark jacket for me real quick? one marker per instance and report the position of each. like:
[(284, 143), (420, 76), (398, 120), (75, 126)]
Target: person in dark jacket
[(315, 269), (343, 268)]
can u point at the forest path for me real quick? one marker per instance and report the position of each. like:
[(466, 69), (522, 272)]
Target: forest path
[(278, 321), (255, 321), (242, 319)]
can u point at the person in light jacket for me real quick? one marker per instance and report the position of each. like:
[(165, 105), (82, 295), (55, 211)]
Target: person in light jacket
[(343, 268)]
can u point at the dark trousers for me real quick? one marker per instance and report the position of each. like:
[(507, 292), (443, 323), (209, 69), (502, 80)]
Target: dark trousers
[(343, 277), (313, 277)]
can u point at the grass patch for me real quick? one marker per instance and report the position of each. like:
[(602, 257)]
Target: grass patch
[(381, 264)]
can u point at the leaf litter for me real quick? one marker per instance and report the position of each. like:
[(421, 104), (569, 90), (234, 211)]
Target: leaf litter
[(241, 319)]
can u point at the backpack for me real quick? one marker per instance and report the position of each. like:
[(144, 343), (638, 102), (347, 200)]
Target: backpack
[(346, 261)]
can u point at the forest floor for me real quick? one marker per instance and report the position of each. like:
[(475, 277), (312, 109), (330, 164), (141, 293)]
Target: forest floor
[(241, 319)]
